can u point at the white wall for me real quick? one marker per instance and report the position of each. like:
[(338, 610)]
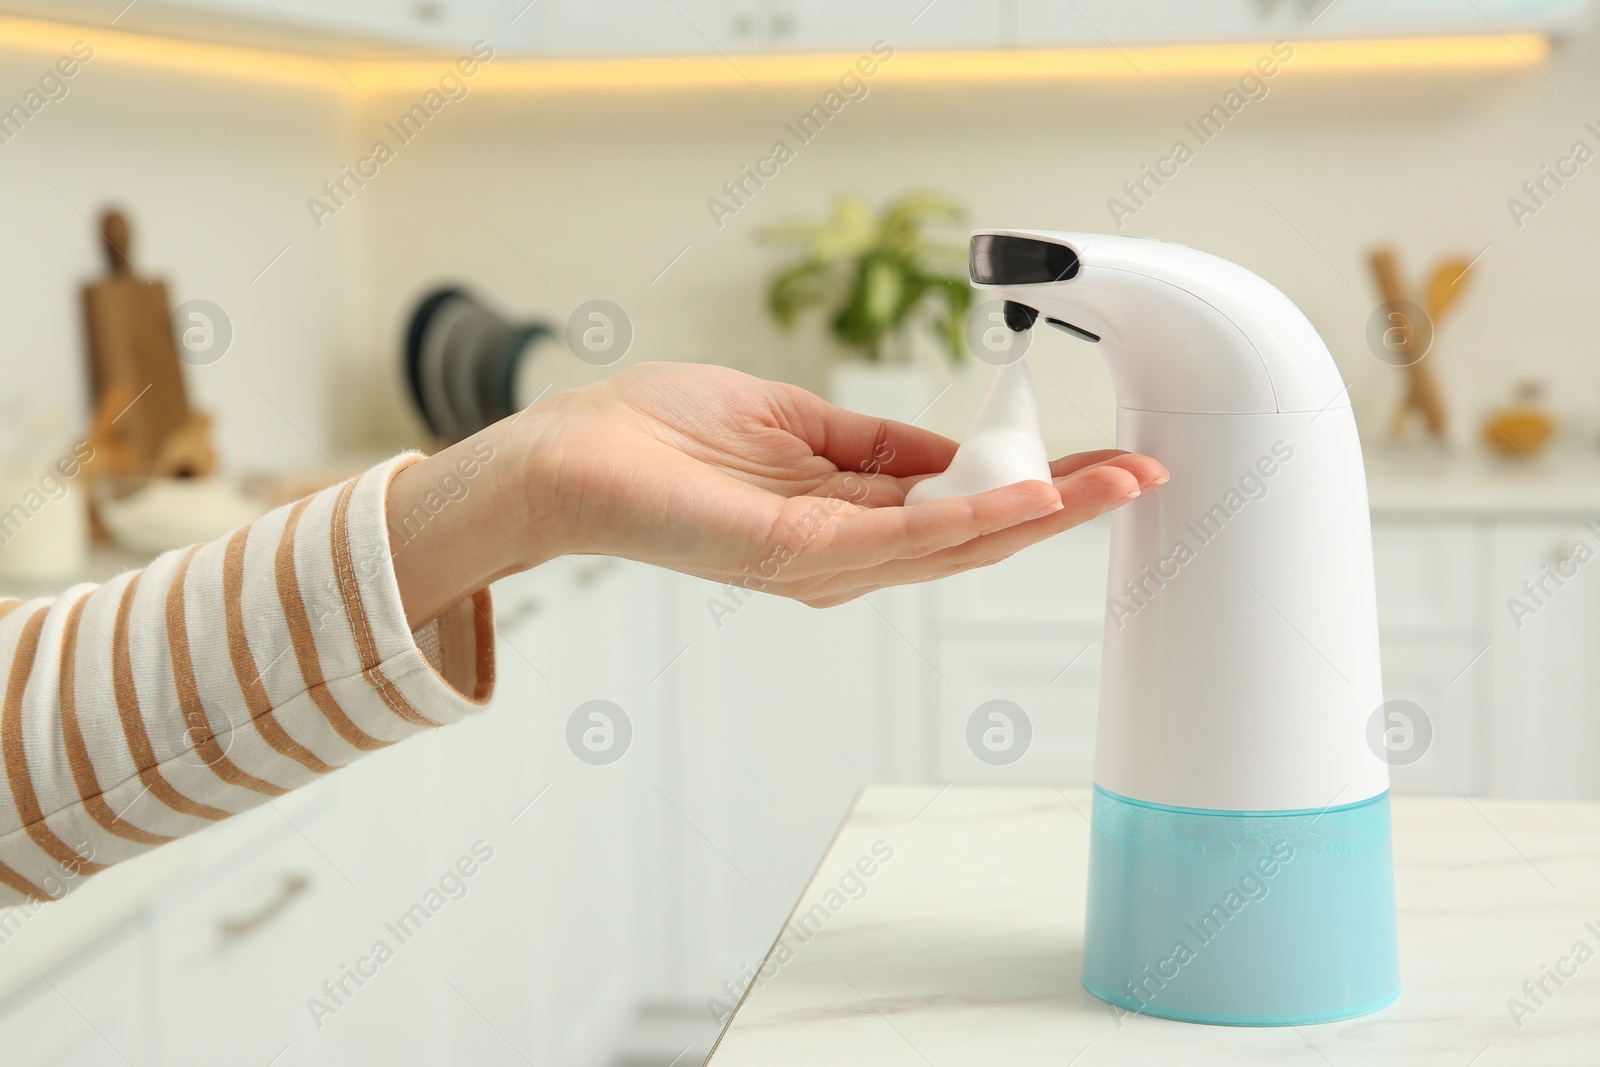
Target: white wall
[(600, 191), (213, 175)]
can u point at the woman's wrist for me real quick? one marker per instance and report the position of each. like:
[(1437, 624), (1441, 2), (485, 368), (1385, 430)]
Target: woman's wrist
[(458, 520)]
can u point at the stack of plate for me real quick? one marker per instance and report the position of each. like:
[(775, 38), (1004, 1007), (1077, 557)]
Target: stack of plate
[(461, 362)]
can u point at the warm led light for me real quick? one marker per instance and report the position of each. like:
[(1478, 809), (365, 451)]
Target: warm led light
[(738, 71), (168, 52), (989, 65)]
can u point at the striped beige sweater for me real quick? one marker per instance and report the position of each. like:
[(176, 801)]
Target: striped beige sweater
[(219, 677)]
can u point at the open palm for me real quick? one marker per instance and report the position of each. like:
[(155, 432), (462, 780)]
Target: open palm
[(722, 475)]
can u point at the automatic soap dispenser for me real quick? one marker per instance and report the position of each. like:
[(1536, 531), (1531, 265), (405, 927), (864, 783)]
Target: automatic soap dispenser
[(1240, 867)]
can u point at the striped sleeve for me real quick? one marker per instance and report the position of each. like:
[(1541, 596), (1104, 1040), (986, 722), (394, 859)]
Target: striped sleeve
[(219, 677)]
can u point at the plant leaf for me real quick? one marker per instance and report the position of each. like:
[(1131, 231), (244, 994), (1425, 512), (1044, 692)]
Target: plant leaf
[(805, 284), (876, 270)]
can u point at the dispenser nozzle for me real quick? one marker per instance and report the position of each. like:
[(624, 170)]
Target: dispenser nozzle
[(1020, 317), (1180, 330)]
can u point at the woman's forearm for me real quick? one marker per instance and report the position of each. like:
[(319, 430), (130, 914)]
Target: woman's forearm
[(457, 521)]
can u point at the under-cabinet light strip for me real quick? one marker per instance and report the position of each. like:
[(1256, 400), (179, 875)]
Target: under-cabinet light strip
[(1151, 62)]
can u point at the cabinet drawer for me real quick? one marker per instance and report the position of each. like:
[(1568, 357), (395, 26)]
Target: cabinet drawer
[(93, 1011), (1062, 580), (1056, 686), (253, 930), (1448, 682), (1427, 575), (1546, 705)]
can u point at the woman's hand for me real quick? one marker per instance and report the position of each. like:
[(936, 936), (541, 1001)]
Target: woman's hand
[(721, 475)]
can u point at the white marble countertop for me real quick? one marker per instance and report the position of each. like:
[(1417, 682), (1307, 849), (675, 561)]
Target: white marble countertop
[(963, 946)]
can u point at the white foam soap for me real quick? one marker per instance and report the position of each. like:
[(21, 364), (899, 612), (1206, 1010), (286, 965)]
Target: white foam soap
[(1003, 446)]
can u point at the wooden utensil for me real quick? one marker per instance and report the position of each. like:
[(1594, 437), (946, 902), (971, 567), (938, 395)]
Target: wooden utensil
[(1445, 285), (127, 322)]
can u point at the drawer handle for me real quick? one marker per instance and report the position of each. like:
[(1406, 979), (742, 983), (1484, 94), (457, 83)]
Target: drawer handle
[(237, 928)]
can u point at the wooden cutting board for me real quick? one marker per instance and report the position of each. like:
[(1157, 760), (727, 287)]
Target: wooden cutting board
[(133, 363)]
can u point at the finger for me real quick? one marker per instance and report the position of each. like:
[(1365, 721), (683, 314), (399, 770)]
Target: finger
[(867, 538), (881, 490), (856, 442), (847, 587), (877, 491), (1148, 471), (1084, 495), (1060, 468)]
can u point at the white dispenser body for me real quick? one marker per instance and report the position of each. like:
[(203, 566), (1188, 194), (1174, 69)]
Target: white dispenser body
[(1241, 635)]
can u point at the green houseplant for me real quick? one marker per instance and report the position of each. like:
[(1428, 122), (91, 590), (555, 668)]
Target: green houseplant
[(875, 273)]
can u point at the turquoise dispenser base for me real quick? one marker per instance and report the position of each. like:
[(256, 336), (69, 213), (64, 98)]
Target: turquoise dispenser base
[(1241, 918)]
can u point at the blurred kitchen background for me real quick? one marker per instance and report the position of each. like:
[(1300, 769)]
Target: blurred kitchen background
[(1415, 174)]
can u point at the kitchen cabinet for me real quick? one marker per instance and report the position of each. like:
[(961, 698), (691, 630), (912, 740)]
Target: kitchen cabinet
[(1125, 22), (566, 28), (750, 723), (1025, 632), (847, 26), (1059, 583), (1430, 577), (93, 1012), (1434, 629), (568, 832), (219, 961), (773, 715), (700, 27), (1028, 631), (540, 950), (1507, 710), (1447, 751), (1545, 605), (621, 27), (775, 721), (259, 928), (445, 25), (1035, 703)]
